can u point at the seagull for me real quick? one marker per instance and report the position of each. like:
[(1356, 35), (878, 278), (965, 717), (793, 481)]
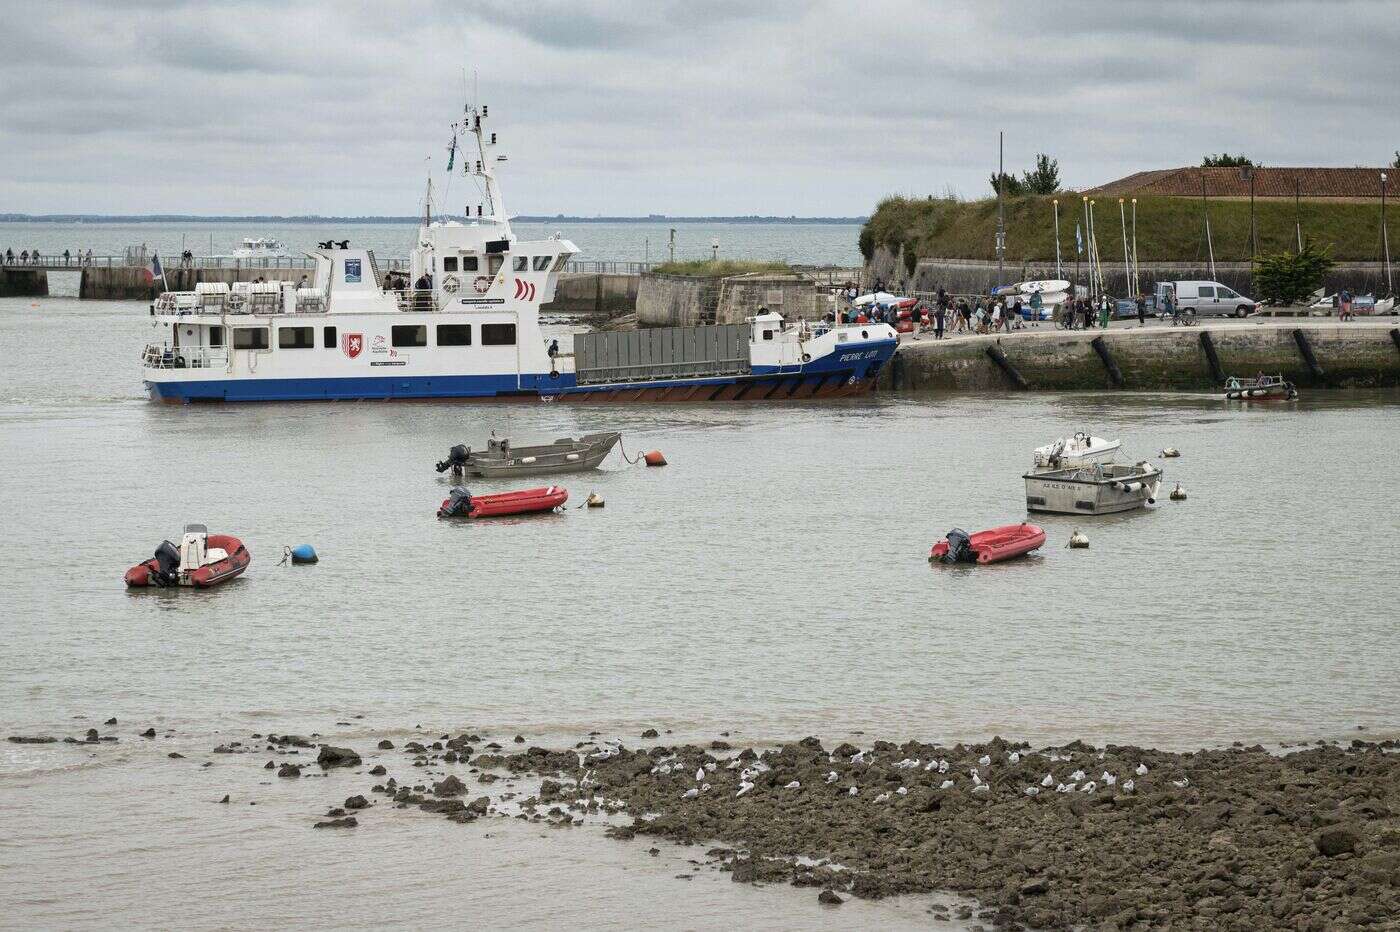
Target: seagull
[(985, 760), (690, 793), (1109, 779), (907, 764), (902, 791), (1141, 770), (1048, 781), (732, 764), (664, 768), (700, 775), (1127, 786), (1089, 787), (981, 788), (1013, 758), (976, 779), (704, 787), (931, 764), (1065, 788), (1032, 791), (655, 770), (1182, 783), (1077, 776), (858, 757), (743, 788), (853, 791), (832, 777), (882, 797), (942, 766), (711, 766), (793, 785), (946, 785), (974, 775)]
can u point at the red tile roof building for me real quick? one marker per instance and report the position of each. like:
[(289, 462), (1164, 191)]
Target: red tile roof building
[(1349, 184)]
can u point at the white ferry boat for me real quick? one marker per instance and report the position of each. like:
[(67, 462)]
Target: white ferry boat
[(464, 323), (260, 248)]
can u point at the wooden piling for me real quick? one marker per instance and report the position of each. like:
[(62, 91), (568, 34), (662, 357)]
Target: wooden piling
[(1309, 360), (995, 354)]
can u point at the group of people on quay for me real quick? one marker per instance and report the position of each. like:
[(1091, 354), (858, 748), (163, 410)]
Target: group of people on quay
[(34, 257), (944, 313)]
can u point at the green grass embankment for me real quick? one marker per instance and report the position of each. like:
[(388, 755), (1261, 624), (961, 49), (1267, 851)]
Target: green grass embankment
[(723, 268), (1168, 229)]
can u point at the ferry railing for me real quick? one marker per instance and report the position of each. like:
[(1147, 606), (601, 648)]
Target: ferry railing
[(417, 299), (166, 356)]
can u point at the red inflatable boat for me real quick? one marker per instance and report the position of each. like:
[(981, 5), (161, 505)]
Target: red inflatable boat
[(202, 560), (462, 504), (990, 546)]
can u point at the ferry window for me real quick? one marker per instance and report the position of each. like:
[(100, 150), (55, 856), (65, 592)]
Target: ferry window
[(541, 263), (296, 337), (493, 264), (410, 335), (767, 334), (522, 263), (469, 263), (449, 263), (250, 338), (216, 336), (498, 334), (328, 337), (454, 335)]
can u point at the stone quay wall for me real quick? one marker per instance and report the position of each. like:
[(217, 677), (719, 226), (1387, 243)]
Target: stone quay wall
[(23, 283), (1360, 354), (595, 293)]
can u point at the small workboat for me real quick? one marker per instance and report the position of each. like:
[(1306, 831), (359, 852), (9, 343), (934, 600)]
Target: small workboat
[(1262, 388), (1096, 489), (990, 546), (462, 504), (501, 459), (202, 560), (1079, 450)]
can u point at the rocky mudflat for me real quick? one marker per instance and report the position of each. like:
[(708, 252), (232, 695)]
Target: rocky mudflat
[(1071, 836)]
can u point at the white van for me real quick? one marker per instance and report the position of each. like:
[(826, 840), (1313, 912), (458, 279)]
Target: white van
[(1206, 299)]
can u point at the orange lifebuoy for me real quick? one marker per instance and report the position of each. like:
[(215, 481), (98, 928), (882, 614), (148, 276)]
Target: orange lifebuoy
[(654, 458)]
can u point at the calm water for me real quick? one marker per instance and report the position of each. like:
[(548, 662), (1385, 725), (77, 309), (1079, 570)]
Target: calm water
[(804, 244), (770, 582)]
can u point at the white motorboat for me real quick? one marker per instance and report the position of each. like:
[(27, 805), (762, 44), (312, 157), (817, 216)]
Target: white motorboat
[(260, 248), (1073, 452), (1099, 489)]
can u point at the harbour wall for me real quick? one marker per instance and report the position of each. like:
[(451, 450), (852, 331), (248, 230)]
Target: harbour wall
[(23, 283), (594, 293), (692, 300), (978, 276), (130, 283), (1360, 354)]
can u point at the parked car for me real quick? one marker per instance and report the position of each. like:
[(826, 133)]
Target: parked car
[(1206, 299)]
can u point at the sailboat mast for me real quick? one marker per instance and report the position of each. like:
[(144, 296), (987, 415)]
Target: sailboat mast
[(1001, 210)]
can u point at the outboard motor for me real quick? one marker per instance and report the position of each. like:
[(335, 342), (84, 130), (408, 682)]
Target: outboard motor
[(959, 548), (168, 565), (456, 460), (458, 504)]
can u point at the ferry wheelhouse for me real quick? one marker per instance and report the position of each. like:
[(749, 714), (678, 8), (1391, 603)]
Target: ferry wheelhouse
[(463, 322)]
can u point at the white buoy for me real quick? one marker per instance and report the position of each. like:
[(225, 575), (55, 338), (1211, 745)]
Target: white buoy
[(1170, 453), (1078, 540), (594, 500), (1178, 494)]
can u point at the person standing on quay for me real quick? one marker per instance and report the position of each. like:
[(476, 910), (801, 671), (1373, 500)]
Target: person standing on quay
[(1103, 312), (1142, 309), (939, 311)]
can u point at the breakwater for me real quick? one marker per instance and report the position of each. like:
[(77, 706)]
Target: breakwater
[(1324, 355)]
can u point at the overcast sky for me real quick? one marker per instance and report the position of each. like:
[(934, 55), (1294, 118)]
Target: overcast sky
[(752, 107)]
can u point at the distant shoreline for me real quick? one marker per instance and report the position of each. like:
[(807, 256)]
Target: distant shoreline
[(313, 219)]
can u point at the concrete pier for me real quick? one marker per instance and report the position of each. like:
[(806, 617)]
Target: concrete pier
[(1358, 354), (23, 283), (597, 293)]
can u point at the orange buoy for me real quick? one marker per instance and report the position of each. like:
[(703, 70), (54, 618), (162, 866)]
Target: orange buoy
[(654, 458)]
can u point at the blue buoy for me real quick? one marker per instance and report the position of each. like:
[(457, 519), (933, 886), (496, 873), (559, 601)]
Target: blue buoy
[(304, 553)]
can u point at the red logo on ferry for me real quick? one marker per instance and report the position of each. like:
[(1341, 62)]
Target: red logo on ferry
[(351, 344)]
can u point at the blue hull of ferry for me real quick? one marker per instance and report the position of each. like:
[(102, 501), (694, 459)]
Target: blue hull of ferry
[(821, 376)]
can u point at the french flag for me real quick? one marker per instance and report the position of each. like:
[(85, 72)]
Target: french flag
[(155, 271)]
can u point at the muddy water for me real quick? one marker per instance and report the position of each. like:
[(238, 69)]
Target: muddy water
[(771, 582)]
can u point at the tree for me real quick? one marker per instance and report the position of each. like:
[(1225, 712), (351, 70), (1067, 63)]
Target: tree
[(1226, 160), (1396, 164), (911, 261), (866, 242), (1011, 186), (1046, 177), (1288, 277)]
